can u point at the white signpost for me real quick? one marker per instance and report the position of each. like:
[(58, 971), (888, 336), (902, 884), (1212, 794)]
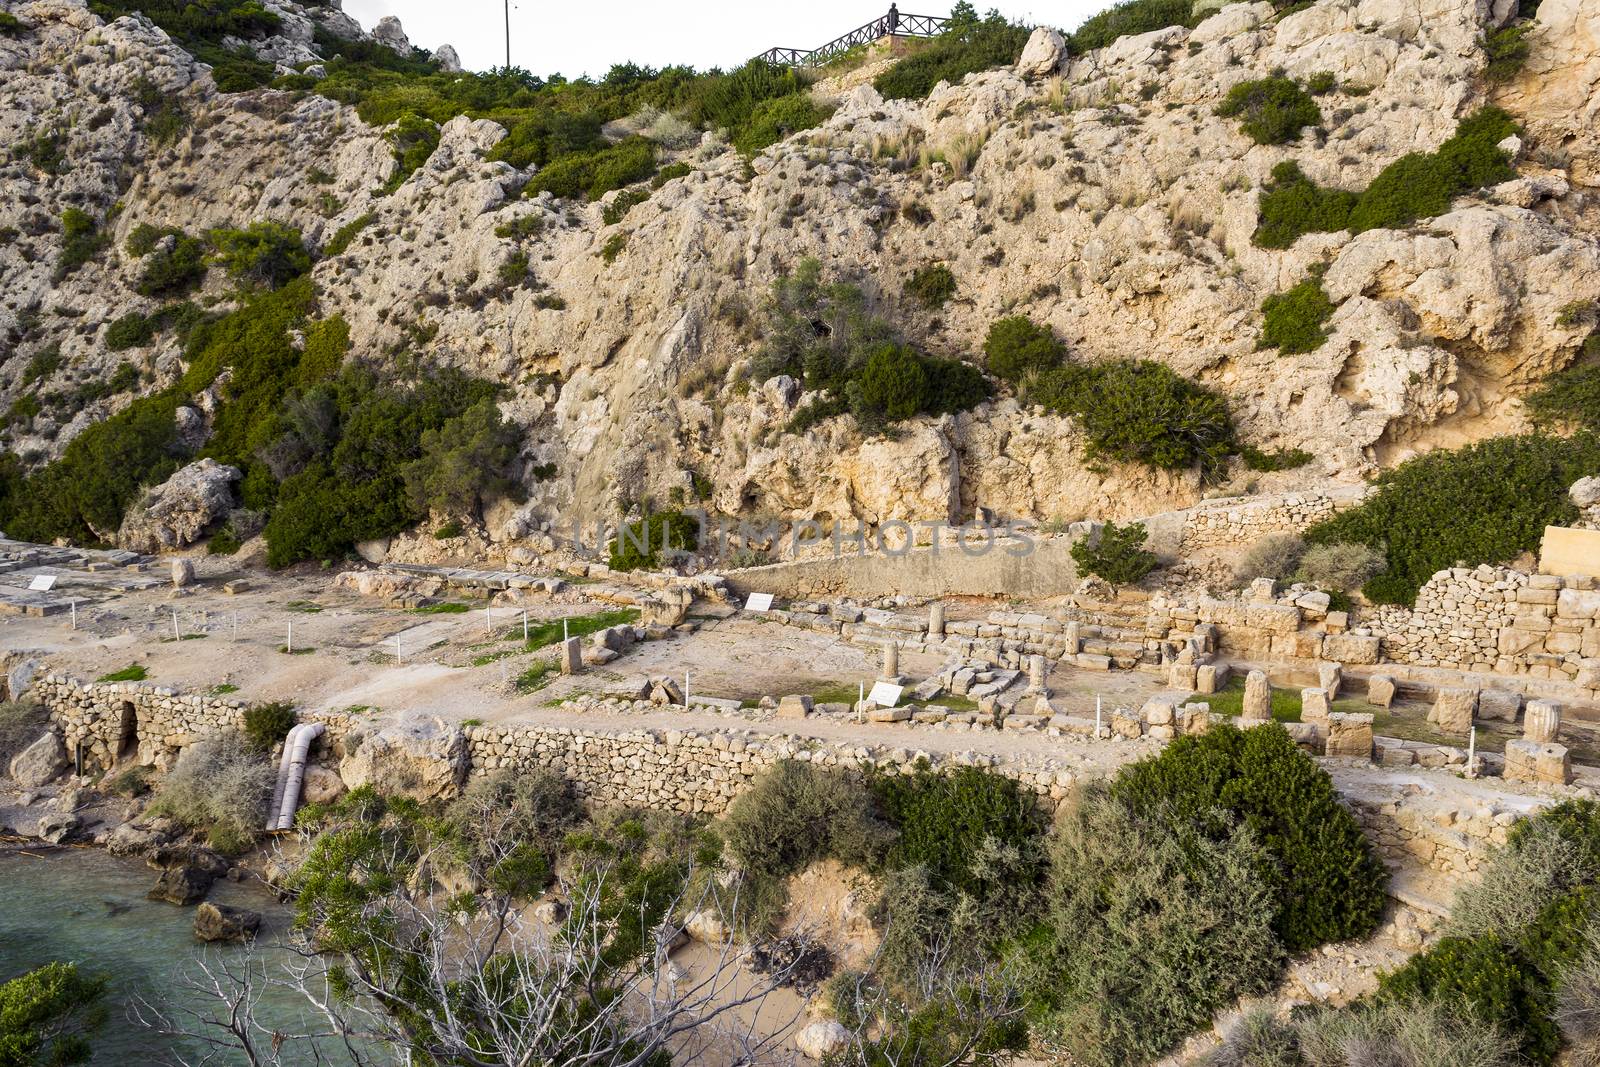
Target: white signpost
[(759, 602), (43, 583), (885, 694)]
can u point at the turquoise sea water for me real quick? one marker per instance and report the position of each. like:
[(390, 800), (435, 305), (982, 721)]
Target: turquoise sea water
[(86, 907)]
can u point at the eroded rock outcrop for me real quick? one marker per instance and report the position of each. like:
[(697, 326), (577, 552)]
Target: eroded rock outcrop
[(179, 511)]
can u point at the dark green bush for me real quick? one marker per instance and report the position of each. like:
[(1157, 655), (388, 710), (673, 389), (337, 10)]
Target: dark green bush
[(1569, 399), (796, 814), (932, 285), (468, 460), (1418, 185), (1328, 884), (1142, 412), (642, 545), (621, 204), (1293, 320), (1016, 347), (339, 243), (1271, 110), (1486, 503), (594, 174), (1507, 51), (264, 253), (172, 272), (968, 46), (1126, 19), (774, 119), (129, 331), (81, 241), (413, 139), (1119, 557), (1496, 987), (10, 25), (266, 725), (943, 820), (669, 173)]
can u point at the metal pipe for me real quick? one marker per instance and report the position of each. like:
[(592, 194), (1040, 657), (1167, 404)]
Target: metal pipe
[(293, 772)]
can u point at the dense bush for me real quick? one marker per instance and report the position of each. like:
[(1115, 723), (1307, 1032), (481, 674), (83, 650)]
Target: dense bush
[(1131, 17), (591, 175), (1338, 567), (774, 119), (264, 253), (1485, 974), (1507, 50), (10, 25), (1271, 110), (1569, 399), (266, 725), (81, 241), (1119, 556), (1143, 412), (968, 45), (221, 787), (1282, 460), (1273, 556), (1416, 1034), (413, 139), (533, 810), (48, 1014), (340, 242), (932, 285), (1486, 503), (1153, 926), (1016, 348), (167, 272), (129, 331), (796, 814), (1415, 186), (1293, 320), (897, 382), (643, 545), (464, 462), (1328, 884)]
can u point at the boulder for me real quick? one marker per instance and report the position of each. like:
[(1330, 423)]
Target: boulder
[(57, 826), (795, 706), (1453, 710), (1042, 55), (221, 922), (1380, 690), (187, 873), (43, 761), (706, 926), (182, 573), (320, 786), (1501, 705), (135, 839), (177, 513), (448, 58), (1585, 492), (389, 33), (418, 755), (821, 1040)]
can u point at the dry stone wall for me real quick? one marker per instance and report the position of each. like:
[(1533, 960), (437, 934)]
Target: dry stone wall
[(1240, 520)]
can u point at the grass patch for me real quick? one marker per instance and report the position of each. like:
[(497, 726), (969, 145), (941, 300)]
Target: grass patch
[(286, 650), (536, 677), (303, 607), (448, 607), (549, 632), (224, 689), (134, 672)]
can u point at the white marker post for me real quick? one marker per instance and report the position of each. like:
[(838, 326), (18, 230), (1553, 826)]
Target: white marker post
[(685, 688), (488, 619), (524, 625), (177, 635), (74, 614), (1472, 750), (861, 701), (1097, 716), (288, 644), (397, 658), (564, 635)]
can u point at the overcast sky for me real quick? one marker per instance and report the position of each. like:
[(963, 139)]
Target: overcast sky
[(575, 37)]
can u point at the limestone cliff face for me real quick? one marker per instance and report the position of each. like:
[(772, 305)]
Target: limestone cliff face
[(1107, 200)]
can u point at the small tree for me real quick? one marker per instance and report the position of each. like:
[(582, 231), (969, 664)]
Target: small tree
[(47, 1015), (1016, 347), (465, 461), (1119, 557), (267, 253)]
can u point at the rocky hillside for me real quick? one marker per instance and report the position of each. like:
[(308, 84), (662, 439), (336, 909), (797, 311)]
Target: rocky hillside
[(1099, 193)]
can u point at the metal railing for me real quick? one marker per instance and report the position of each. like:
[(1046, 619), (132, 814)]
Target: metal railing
[(894, 24)]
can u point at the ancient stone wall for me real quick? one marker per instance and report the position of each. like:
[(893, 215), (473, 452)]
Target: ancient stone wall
[(1501, 620), (1240, 520)]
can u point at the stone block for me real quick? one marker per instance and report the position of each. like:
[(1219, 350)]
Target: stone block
[(877, 714), (795, 706), (1092, 662), (571, 656), (1315, 705), (1183, 676), (1380, 690), (1210, 678), (1357, 649), (1330, 676), (1349, 734), (1501, 705), (1453, 710), (1541, 721), (1534, 761)]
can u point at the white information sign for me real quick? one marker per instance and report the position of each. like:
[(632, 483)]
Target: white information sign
[(42, 583), (885, 694), (759, 602)]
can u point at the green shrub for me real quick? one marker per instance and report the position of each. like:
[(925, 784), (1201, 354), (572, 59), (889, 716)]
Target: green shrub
[(1293, 320), (1281, 460), (932, 285), (1130, 18), (1415, 1034), (11, 26), (1485, 503), (1569, 399), (944, 819), (1507, 52), (1119, 557), (340, 242), (81, 241), (669, 173), (465, 462), (174, 271), (1321, 83), (413, 139), (266, 725), (266, 253), (614, 246), (48, 1014), (1153, 926), (774, 119), (448, 531), (1418, 185), (132, 330), (1271, 110), (1577, 1004), (1016, 348), (552, 630), (1328, 884), (641, 545), (897, 382), (1483, 973), (1273, 556), (592, 175), (621, 204), (968, 46), (1142, 412)]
